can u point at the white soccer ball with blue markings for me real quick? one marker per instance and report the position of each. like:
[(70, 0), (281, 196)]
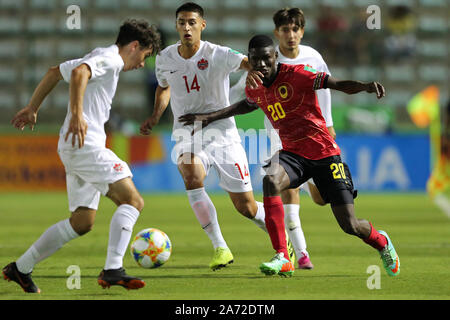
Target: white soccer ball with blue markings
[(151, 248)]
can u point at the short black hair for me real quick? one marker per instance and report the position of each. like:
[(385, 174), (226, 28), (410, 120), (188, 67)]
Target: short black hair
[(190, 7), (289, 15), (260, 41), (140, 30)]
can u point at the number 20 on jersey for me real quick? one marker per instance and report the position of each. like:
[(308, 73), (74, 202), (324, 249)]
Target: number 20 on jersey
[(276, 111)]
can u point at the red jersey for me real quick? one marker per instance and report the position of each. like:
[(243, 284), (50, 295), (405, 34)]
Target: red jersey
[(291, 105)]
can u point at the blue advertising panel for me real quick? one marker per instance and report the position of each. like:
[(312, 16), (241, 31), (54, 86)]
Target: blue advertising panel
[(387, 162), (377, 163)]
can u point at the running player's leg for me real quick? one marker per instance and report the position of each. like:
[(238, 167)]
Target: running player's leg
[(55, 237), (83, 202), (273, 184), (193, 171), (245, 204), (232, 167), (313, 192), (291, 206), (46, 245), (129, 205), (363, 229), (338, 188), (103, 171)]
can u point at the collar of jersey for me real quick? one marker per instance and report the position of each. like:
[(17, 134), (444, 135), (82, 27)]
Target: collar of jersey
[(202, 43)]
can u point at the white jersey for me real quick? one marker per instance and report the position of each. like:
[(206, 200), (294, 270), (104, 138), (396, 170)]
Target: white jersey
[(306, 56), (200, 84), (105, 65)]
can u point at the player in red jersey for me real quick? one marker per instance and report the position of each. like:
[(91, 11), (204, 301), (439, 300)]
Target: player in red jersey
[(286, 95)]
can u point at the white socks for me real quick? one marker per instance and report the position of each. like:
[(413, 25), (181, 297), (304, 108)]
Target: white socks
[(207, 216), (49, 242), (120, 231), (62, 232), (260, 217), (294, 228)]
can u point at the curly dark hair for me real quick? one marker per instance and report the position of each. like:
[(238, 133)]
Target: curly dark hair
[(142, 31)]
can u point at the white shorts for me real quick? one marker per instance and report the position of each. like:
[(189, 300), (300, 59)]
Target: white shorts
[(230, 163), (89, 174), (276, 145)]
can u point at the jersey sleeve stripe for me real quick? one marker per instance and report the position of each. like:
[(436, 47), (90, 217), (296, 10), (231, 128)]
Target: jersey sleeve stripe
[(318, 82)]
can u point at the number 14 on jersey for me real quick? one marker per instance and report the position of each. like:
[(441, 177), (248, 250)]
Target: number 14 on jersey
[(193, 86)]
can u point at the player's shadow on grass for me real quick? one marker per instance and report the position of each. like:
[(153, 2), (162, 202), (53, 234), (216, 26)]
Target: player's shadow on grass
[(200, 266), (203, 276)]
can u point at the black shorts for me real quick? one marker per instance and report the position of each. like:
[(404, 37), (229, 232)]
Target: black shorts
[(332, 177)]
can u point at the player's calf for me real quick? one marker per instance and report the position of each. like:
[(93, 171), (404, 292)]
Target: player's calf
[(245, 204), (124, 192), (349, 223)]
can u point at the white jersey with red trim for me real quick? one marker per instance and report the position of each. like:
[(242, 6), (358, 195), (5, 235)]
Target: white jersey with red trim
[(200, 84)]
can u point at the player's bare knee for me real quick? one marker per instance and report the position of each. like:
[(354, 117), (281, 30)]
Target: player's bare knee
[(192, 182), (136, 201), (84, 229), (271, 185), (81, 227)]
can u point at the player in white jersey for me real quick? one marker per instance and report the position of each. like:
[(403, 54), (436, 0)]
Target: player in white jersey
[(194, 75), (91, 168), (289, 30)]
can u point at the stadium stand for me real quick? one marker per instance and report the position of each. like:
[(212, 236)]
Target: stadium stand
[(34, 36)]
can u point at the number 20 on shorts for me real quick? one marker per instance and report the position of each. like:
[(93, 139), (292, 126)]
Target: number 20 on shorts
[(338, 170)]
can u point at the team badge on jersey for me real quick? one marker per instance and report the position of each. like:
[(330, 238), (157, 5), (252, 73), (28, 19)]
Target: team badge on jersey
[(284, 92), (202, 64), (118, 167)]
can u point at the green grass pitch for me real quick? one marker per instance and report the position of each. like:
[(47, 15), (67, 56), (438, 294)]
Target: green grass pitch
[(420, 232)]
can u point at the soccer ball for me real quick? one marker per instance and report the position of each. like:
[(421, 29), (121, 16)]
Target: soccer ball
[(151, 248)]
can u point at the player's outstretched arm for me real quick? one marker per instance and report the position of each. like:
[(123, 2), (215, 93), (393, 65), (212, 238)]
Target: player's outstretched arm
[(79, 78), (352, 87), (162, 98), (28, 115), (240, 107)]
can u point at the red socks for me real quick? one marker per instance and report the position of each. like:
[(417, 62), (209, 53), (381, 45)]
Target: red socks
[(273, 206), (375, 239)]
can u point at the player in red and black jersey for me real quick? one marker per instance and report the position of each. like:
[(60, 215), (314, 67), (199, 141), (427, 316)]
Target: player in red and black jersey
[(286, 95)]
